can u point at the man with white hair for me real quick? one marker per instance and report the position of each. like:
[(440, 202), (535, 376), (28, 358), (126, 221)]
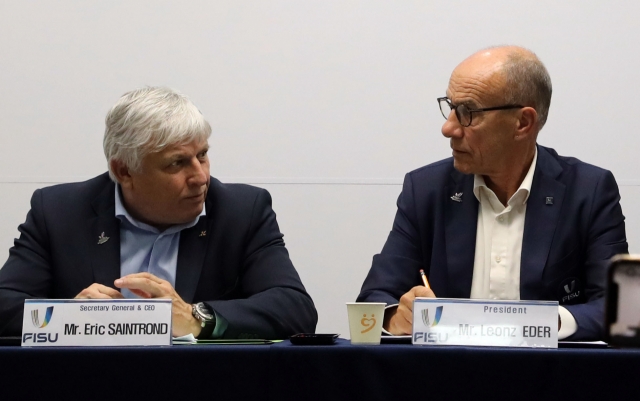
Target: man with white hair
[(504, 218), (158, 226)]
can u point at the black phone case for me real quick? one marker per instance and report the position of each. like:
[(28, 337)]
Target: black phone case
[(313, 339)]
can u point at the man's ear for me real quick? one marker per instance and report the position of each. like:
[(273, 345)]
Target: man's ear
[(527, 123), (121, 172)]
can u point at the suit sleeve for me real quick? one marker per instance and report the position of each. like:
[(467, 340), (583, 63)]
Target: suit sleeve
[(606, 238), (395, 270), (274, 304), (27, 272)]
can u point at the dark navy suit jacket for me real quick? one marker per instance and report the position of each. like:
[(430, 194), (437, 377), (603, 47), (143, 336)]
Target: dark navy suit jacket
[(234, 258), (565, 249)]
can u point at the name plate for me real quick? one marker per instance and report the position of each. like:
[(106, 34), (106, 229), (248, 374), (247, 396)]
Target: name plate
[(442, 321), (96, 322)]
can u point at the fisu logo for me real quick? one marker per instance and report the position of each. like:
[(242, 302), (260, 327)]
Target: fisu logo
[(367, 323), (436, 320), (35, 318), (568, 288)]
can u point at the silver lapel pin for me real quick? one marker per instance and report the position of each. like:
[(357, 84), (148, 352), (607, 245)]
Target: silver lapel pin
[(102, 239), (457, 197), (549, 200), (203, 234)]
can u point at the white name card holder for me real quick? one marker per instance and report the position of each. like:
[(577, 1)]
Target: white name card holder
[(442, 321), (96, 322)]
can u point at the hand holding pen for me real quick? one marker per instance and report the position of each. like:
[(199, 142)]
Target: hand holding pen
[(400, 320)]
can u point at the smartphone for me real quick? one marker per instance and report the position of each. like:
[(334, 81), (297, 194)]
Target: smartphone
[(623, 301)]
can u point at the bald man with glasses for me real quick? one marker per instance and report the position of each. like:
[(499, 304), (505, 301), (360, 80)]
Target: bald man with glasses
[(504, 218)]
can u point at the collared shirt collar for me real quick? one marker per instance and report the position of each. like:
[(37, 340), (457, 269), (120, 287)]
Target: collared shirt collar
[(524, 189), (123, 215)]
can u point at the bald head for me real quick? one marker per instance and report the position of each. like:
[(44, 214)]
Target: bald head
[(514, 75), (497, 54)]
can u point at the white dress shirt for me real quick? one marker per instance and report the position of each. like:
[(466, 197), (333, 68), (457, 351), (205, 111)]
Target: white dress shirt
[(500, 228)]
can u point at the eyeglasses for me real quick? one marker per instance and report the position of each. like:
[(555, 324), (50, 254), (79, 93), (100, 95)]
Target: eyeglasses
[(463, 113)]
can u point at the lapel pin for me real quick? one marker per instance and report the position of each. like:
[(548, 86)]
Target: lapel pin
[(549, 200), (457, 197), (203, 234), (102, 239)]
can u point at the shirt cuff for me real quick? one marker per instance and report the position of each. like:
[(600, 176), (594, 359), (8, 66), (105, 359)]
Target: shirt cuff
[(388, 307), (568, 325), (221, 326)]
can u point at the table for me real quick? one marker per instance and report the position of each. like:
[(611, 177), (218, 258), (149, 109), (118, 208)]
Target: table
[(342, 371)]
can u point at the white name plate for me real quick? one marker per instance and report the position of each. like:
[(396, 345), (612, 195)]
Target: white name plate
[(96, 322), (442, 321)]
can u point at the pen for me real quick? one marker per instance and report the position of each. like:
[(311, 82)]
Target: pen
[(424, 279)]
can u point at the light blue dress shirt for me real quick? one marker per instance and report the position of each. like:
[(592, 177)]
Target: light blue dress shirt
[(144, 248)]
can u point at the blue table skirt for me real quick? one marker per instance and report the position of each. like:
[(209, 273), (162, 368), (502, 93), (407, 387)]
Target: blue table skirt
[(335, 372)]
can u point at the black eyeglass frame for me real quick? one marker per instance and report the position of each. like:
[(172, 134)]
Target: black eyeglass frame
[(454, 107)]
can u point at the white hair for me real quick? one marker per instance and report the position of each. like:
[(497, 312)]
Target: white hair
[(146, 120)]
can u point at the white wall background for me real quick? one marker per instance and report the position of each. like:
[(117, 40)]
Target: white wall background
[(324, 103)]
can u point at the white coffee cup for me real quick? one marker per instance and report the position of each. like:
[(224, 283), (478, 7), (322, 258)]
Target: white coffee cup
[(365, 321)]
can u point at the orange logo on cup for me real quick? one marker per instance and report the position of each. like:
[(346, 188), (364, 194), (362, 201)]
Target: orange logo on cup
[(368, 323)]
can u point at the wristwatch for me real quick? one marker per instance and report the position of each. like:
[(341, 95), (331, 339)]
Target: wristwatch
[(206, 317)]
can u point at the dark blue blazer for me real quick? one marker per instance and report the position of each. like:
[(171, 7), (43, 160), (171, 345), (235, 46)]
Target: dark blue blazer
[(234, 258), (565, 250)]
